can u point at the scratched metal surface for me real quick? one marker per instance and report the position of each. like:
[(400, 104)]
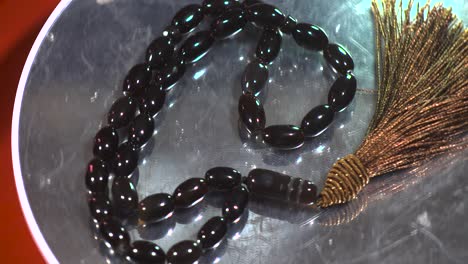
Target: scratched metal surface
[(77, 74)]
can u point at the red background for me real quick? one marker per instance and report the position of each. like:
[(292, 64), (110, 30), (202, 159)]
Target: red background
[(20, 22)]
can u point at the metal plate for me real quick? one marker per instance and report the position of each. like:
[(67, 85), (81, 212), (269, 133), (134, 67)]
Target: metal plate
[(75, 72)]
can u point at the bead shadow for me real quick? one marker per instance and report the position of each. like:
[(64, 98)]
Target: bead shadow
[(280, 210), (215, 255), (236, 228), (280, 158), (216, 199), (189, 215), (158, 230)]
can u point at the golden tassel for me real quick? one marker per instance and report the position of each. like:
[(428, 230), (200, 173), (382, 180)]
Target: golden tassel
[(422, 104)]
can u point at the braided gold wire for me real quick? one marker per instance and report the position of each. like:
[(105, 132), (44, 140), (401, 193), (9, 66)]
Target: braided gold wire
[(344, 181)]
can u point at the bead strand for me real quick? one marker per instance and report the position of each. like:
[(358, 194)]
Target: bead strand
[(255, 77), (145, 87)]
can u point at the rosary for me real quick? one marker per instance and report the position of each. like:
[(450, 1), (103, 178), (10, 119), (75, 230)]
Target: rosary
[(145, 88)]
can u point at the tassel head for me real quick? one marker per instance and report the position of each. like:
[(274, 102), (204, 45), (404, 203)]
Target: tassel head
[(344, 181)]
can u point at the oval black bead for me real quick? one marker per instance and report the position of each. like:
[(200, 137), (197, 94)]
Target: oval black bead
[(184, 252), (289, 25), (156, 207), (100, 206), (251, 113), (196, 46), (265, 16), (212, 233), (223, 178), (115, 235), (235, 204), (152, 101), (145, 252), (342, 92), (190, 192), (310, 37), (97, 176), (188, 18), (268, 46), (124, 196), (317, 120), (339, 58), (122, 112), (228, 23), (159, 52), (278, 186), (141, 130), (255, 77), (173, 33), (283, 136), (106, 142), (170, 74), (137, 80), (217, 7), (126, 160)]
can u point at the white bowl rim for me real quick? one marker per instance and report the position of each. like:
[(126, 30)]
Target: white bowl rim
[(27, 212)]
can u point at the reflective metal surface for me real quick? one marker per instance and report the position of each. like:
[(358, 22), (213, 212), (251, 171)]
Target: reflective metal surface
[(78, 71)]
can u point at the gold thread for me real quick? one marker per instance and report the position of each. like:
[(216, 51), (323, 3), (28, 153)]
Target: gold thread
[(345, 180)]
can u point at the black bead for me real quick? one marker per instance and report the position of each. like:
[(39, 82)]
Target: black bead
[(217, 7), (223, 178), (268, 46), (212, 233), (126, 160), (255, 78), (307, 193), (235, 204), (172, 32), (122, 112), (124, 196), (282, 187), (265, 16), (100, 206), (159, 52), (228, 23), (251, 113), (137, 80), (185, 252), (97, 176), (342, 92), (106, 142), (115, 235), (339, 58), (156, 207), (317, 120), (310, 37), (190, 192), (170, 74), (196, 46), (188, 18), (289, 25), (145, 252), (141, 130), (268, 183), (248, 3), (152, 101), (283, 136)]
